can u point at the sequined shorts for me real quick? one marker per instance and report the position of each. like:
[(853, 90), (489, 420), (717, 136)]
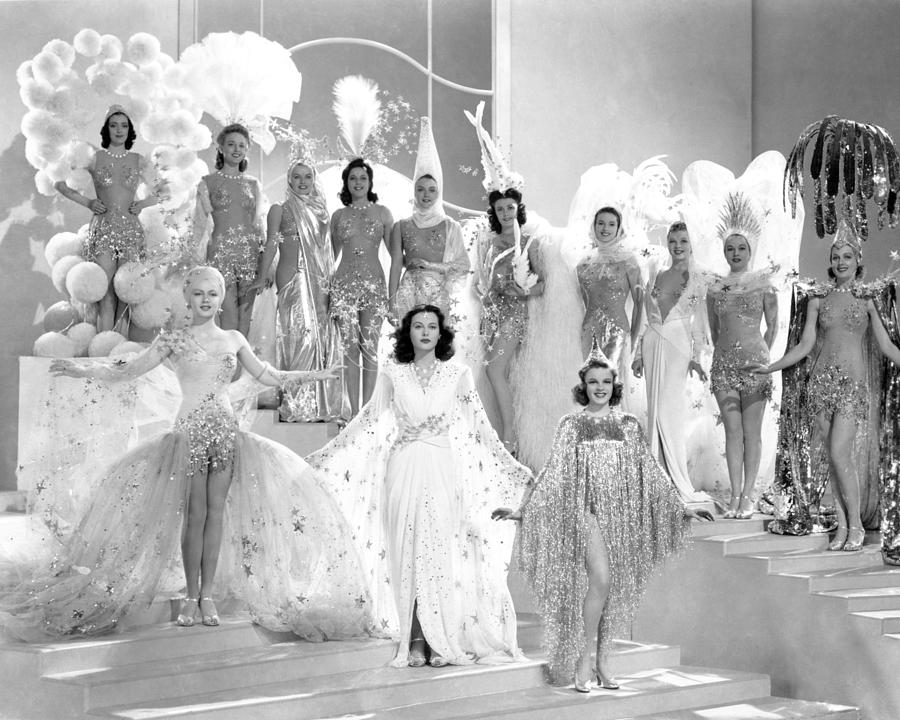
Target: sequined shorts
[(117, 234), (503, 319), (211, 431), (832, 391), (352, 293), (421, 287), (235, 255), (726, 373)]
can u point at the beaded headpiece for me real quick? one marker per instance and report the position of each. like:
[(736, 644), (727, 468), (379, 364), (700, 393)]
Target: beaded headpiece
[(116, 110), (846, 236), (739, 217), (497, 173), (597, 353)]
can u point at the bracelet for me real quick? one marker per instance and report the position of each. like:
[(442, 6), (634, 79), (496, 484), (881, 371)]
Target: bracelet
[(265, 366)]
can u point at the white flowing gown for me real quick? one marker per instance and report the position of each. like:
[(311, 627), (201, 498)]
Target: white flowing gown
[(417, 474)]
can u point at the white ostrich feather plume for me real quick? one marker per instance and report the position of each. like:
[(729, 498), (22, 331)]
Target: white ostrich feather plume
[(357, 108)]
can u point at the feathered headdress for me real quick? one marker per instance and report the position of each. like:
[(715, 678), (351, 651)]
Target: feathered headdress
[(497, 173), (860, 154), (739, 217), (358, 111)]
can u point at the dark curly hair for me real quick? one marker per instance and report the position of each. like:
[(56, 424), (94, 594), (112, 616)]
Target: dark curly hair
[(612, 211), (104, 132), (579, 392), (220, 138), (403, 347), (496, 195), (345, 196)]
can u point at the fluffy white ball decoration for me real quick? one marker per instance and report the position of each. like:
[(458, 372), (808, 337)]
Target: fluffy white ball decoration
[(57, 171), (102, 343), (154, 312), (126, 348), (62, 102), (44, 184), (80, 180), (81, 334), (182, 123), (23, 72), (80, 154), (134, 283), (164, 155), (54, 345), (139, 109), (184, 158), (59, 316), (110, 47), (87, 42), (62, 50), (60, 245), (36, 94), (48, 67), (143, 48), (87, 282), (61, 268)]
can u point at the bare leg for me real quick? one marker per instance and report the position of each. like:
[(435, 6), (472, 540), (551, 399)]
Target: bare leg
[(753, 407), (244, 310), (106, 316), (192, 537), (370, 334), (228, 320), (499, 357), (729, 402), (597, 565), (351, 370), (217, 484), (821, 437), (840, 450)]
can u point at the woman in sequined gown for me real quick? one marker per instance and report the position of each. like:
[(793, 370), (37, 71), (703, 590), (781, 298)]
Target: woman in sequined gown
[(427, 248), (839, 320), (736, 304), (306, 336), (600, 517), (115, 235), (417, 473), (228, 222), (668, 352), (504, 308), (208, 486), (358, 297)]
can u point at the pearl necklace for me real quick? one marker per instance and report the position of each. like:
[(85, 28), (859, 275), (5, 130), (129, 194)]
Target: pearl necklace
[(424, 373), (362, 207), (845, 288), (230, 177), (118, 156)]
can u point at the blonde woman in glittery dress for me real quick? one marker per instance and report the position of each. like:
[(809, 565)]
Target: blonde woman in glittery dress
[(840, 319), (600, 517), (228, 221), (358, 297), (417, 474), (115, 235), (250, 526)]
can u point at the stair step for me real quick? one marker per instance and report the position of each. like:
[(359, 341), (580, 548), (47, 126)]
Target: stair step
[(873, 576), (769, 708), (722, 526), (224, 670), (862, 599), (888, 621), (763, 542), (804, 560), (462, 692)]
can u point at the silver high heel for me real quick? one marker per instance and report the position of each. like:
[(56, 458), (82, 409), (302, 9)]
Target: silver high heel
[(209, 616), (187, 612)]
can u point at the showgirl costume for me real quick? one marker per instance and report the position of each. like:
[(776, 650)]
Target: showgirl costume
[(358, 284), (117, 232), (504, 313), (667, 347), (737, 302), (601, 477), (230, 247), (417, 474), (429, 235), (845, 374), (285, 552), (307, 337)]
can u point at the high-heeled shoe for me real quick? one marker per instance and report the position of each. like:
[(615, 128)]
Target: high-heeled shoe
[(605, 682), (747, 514), (582, 687), (437, 661), (208, 614), (855, 539), (416, 657), (187, 612), (840, 539)]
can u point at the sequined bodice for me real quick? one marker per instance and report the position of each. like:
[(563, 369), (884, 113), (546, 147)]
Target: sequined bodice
[(112, 173), (688, 295), (423, 243), (842, 324), (204, 378), (223, 192), (357, 223), (604, 288), (739, 315), (288, 226)]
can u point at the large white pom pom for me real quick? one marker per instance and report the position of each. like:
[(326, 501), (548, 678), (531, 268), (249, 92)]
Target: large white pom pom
[(81, 334), (62, 102), (62, 50), (54, 345), (126, 348), (60, 245), (87, 42), (143, 48), (47, 67), (61, 268), (102, 343), (23, 72), (152, 313), (110, 47), (87, 282), (59, 316), (36, 94), (80, 180), (80, 154), (134, 283), (44, 184)]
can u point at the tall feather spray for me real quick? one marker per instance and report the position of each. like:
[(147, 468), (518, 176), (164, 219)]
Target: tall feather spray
[(357, 109)]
